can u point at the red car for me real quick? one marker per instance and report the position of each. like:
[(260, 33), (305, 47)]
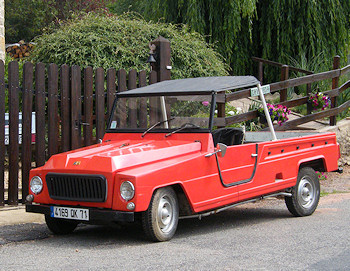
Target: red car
[(162, 159)]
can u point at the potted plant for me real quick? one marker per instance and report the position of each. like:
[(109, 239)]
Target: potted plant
[(319, 100), (277, 113)]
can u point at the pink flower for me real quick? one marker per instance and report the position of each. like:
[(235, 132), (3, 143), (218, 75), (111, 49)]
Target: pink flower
[(205, 103)]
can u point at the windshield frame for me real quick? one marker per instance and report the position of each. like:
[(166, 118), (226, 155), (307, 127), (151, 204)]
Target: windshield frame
[(163, 130)]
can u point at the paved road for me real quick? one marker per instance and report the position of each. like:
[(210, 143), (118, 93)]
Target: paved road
[(260, 236)]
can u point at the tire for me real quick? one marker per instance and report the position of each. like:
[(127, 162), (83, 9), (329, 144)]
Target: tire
[(160, 220), (305, 194), (60, 226)]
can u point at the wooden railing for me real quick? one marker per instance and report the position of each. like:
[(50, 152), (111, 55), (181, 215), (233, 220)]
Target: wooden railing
[(283, 85)]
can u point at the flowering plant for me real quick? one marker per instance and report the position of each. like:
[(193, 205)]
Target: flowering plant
[(319, 100), (277, 112), (321, 175)]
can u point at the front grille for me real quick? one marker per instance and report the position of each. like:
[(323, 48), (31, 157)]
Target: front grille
[(74, 187)]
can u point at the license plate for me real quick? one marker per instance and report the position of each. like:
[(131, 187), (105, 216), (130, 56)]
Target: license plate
[(69, 213)]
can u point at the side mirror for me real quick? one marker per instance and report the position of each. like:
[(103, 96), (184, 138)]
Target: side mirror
[(221, 149)]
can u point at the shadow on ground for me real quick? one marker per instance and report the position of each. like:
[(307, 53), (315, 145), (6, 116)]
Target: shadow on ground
[(132, 234)]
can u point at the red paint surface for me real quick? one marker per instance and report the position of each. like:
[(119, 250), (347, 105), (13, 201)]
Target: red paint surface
[(156, 161)]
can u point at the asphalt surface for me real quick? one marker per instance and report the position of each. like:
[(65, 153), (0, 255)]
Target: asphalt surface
[(260, 236)]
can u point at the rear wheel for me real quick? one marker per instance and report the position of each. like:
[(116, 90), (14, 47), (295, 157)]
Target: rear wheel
[(160, 220), (60, 226), (305, 194)]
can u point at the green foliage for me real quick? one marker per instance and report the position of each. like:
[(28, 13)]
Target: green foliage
[(273, 30), (309, 29), (25, 19), (122, 42), (227, 24)]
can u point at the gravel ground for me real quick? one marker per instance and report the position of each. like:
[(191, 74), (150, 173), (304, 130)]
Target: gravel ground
[(336, 182)]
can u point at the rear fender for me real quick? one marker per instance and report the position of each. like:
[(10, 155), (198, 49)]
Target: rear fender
[(317, 163)]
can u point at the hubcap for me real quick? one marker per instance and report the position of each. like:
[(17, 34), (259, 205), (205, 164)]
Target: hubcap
[(306, 192), (165, 214)]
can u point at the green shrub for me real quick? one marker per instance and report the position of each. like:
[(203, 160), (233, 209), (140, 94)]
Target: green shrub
[(122, 42)]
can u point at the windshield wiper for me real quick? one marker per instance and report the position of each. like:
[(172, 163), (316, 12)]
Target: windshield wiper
[(183, 127), (155, 125)]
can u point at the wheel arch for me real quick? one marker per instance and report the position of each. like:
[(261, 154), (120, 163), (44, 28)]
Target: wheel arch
[(183, 201), (318, 164)]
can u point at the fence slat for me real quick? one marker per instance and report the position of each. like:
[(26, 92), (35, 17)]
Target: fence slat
[(65, 108), (335, 83), (52, 109), (13, 78), (88, 105), (318, 115), (2, 133), (27, 108), (111, 89), (40, 114), (122, 105), (75, 107), (245, 93), (143, 101), (284, 76), (153, 102), (100, 103), (132, 84)]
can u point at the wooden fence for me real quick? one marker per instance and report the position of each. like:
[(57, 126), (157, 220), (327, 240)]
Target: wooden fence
[(71, 111), (286, 83)]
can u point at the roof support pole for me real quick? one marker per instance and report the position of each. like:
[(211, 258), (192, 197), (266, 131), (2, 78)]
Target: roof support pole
[(267, 114)]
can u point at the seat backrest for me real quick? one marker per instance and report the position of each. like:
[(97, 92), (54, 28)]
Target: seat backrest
[(228, 136)]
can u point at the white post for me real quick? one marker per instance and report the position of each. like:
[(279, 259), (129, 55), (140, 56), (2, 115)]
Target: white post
[(267, 114), (163, 108), (2, 30)]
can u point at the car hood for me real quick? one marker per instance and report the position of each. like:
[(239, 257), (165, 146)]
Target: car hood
[(119, 155)]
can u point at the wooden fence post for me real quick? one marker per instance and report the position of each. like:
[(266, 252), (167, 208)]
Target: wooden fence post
[(163, 59), (121, 74), (2, 133), (284, 76), (111, 89), (162, 67), (132, 84), (13, 132), (27, 105), (100, 103), (52, 109), (143, 101), (261, 72), (335, 83), (40, 128), (308, 105), (65, 108), (88, 105), (153, 103), (75, 107)]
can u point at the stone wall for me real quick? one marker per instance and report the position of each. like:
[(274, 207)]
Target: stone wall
[(2, 30), (342, 131)]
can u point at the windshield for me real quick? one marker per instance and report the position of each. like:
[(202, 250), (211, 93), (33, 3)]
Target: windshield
[(170, 112)]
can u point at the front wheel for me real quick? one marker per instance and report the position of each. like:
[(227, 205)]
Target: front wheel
[(60, 226), (160, 220), (305, 194)]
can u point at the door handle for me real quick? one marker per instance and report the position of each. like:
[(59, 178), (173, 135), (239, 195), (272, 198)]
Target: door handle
[(254, 155)]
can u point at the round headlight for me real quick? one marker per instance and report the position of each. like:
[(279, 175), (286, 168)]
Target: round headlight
[(127, 190), (36, 185)]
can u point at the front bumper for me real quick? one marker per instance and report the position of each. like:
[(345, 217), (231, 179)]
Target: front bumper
[(95, 214)]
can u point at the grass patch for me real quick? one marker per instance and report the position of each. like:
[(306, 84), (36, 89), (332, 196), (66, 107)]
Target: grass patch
[(324, 193)]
